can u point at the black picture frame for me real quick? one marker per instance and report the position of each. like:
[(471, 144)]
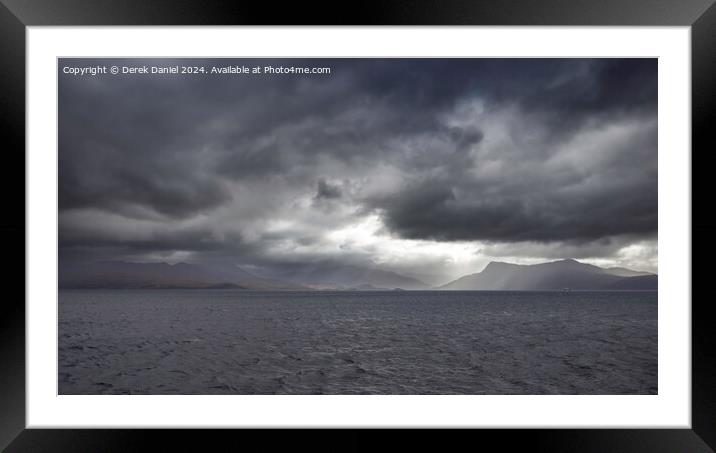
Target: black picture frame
[(16, 15)]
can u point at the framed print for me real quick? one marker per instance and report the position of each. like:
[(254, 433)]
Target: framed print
[(241, 218)]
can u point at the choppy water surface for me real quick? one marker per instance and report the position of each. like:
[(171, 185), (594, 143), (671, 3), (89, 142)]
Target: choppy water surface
[(238, 342)]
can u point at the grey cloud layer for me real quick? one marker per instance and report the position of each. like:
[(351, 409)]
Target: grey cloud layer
[(497, 150)]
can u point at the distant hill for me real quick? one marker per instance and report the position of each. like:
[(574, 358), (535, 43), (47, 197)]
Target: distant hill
[(556, 275), (121, 274), (127, 275), (624, 272), (332, 276), (637, 283)]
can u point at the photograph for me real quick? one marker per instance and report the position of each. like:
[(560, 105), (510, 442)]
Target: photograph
[(364, 226)]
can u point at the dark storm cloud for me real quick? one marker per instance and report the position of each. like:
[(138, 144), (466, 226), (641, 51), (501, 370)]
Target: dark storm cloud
[(604, 87), (607, 189), (93, 230), (327, 190), (432, 211), (498, 150)]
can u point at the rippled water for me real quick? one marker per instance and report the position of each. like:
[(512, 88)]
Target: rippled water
[(238, 342)]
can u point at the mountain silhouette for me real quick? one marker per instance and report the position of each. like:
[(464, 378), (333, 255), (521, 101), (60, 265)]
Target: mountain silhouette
[(336, 276), (556, 275), (127, 275)]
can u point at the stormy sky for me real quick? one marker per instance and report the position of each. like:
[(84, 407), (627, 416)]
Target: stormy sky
[(427, 167)]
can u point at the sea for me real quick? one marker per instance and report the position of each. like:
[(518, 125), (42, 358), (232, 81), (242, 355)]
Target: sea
[(368, 342)]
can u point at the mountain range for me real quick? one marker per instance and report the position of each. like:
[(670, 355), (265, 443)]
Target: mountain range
[(126, 275), (557, 275), (333, 276)]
